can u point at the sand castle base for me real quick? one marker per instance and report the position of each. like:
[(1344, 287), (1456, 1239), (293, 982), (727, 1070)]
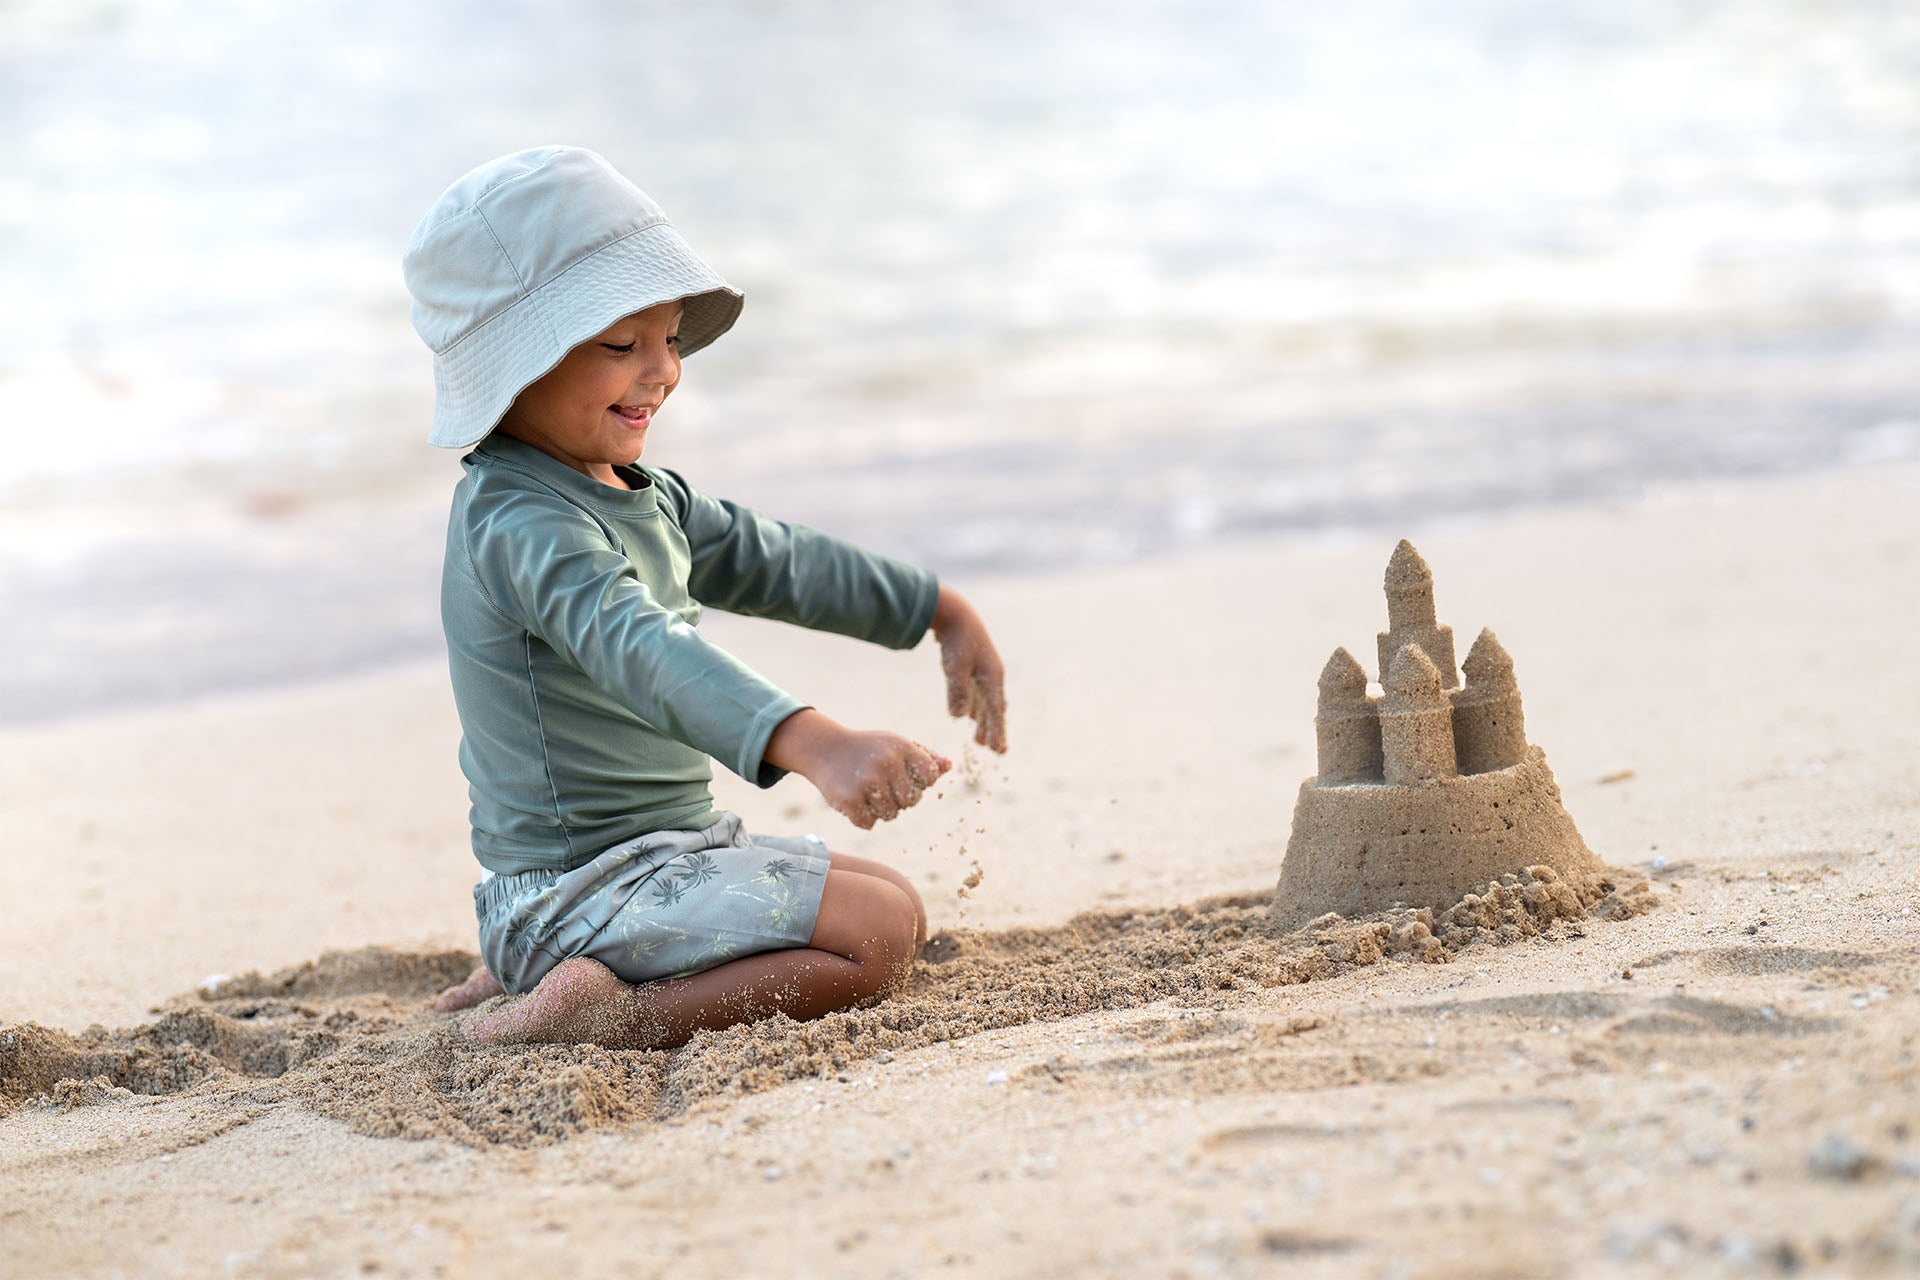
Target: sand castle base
[(1366, 847)]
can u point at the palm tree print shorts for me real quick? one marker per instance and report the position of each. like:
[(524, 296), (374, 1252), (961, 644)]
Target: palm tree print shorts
[(663, 905)]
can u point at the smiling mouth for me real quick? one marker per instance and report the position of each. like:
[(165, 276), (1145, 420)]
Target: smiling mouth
[(638, 415)]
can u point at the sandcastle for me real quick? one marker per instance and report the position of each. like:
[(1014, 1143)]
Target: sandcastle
[(1429, 790)]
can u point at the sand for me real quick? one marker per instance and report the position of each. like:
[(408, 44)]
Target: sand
[(1117, 1061), (1428, 790), (349, 1035)]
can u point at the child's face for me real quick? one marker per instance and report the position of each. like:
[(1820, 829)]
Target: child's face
[(592, 410)]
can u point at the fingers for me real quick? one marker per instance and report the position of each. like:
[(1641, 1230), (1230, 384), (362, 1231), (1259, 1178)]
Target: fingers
[(980, 707), (987, 705), (959, 681), (980, 694), (976, 685), (923, 767), (883, 805), (859, 809), (882, 775), (903, 776), (910, 774), (997, 729)]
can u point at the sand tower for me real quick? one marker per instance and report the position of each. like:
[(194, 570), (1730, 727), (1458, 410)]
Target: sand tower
[(1428, 790), (1411, 618)]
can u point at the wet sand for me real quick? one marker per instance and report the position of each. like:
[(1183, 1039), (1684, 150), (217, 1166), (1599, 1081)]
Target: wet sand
[(1111, 1061)]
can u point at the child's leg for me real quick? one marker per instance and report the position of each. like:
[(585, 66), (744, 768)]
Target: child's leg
[(481, 985), (868, 867), (863, 944)]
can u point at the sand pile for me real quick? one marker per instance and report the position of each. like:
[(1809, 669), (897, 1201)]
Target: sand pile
[(350, 1034)]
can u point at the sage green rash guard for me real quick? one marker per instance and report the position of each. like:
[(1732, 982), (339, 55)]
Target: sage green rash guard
[(589, 704)]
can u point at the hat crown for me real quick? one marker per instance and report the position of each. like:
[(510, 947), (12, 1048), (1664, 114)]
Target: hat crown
[(509, 227)]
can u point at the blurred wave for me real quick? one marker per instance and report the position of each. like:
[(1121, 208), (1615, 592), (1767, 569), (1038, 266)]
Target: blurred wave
[(1028, 284)]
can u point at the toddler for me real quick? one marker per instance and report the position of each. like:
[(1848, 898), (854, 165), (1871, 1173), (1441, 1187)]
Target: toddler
[(616, 902)]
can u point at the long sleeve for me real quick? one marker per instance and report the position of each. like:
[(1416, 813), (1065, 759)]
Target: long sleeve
[(745, 562)]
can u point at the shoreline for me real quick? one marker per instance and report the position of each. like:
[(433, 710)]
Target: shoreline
[(115, 637)]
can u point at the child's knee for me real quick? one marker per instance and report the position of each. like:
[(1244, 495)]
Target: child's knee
[(871, 921), (892, 942), (918, 907), (916, 910), (902, 944), (893, 876)]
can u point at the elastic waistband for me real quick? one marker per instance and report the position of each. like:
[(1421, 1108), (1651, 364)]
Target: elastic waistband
[(496, 889)]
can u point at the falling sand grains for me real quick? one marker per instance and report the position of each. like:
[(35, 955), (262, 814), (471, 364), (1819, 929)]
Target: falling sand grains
[(971, 773), (974, 779), (972, 882), (352, 1035)]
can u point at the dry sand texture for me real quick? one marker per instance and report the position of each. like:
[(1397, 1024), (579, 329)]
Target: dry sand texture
[(1122, 1064), (349, 1036)]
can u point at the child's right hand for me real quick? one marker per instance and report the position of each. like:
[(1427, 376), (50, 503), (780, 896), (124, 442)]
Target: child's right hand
[(870, 776)]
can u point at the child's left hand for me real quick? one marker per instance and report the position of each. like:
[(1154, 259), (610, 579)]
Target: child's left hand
[(976, 679)]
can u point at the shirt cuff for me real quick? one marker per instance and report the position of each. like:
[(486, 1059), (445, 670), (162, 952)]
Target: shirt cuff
[(926, 598), (752, 764)]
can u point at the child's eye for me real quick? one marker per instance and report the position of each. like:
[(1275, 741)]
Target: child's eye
[(674, 340), (625, 350)]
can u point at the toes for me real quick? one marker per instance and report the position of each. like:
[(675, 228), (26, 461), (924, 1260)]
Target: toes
[(480, 985), (455, 998)]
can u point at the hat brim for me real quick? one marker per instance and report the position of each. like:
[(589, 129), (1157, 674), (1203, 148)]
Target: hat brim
[(476, 379)]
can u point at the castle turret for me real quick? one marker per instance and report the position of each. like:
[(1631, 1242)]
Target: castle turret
[(1410, 616), (1489, 731), (1347, 727), (1416, 720)]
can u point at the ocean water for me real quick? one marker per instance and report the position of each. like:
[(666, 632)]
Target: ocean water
[(1029, 286)]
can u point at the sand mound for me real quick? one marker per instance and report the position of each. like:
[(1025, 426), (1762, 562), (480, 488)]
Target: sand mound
[(350, 1035), (368, 971)]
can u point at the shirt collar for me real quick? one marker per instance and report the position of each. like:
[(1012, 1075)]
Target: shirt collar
[(643, 497)]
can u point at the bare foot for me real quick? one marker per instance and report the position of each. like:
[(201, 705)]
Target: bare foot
[(480, 985), (576, 1002)]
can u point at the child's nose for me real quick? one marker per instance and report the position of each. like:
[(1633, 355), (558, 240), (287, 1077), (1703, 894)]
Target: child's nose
[(661, 367)]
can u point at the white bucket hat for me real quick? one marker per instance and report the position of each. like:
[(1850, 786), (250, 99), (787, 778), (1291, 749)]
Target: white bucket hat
[(527, 257)]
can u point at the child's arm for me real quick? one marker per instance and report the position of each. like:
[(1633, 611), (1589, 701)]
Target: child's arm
[(976, 679), (749, 563), (870, 776)]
